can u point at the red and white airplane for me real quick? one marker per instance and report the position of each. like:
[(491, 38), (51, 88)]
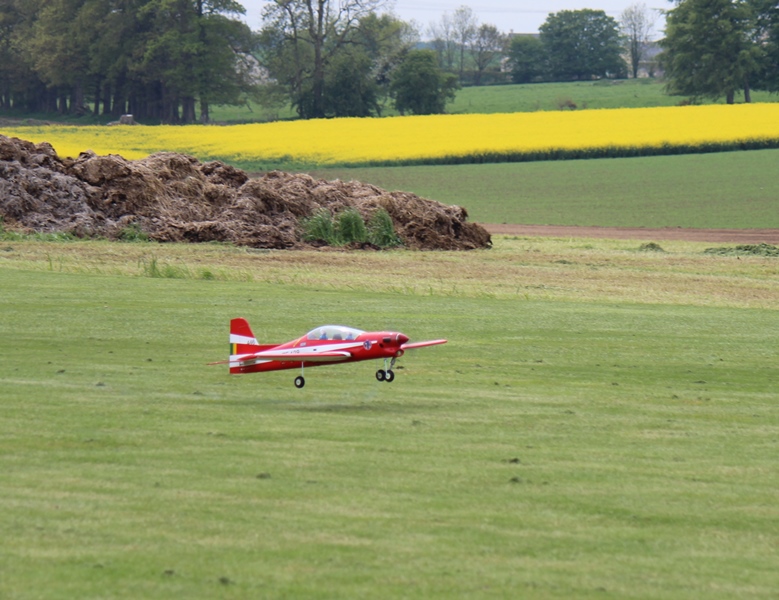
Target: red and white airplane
[(320, 346)]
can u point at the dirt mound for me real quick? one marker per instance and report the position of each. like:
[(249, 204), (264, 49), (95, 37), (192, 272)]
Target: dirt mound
[(175, 198)]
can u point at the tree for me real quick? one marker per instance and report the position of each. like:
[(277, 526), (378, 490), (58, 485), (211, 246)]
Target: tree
[(385, 40), (444, 42), (350, 88), (637, 24), (485, 49), (155, 58), (527, 59), (304, 36), (707, 49), (582, 44), (464, 25), (765, 35), (420, 86)]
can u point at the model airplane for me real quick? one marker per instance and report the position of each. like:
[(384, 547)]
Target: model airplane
[(320, 346)]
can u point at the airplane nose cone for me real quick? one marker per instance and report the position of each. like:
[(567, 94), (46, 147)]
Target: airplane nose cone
[(402, 338)]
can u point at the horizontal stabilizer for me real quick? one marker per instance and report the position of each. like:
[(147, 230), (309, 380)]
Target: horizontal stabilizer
[(422, 344)]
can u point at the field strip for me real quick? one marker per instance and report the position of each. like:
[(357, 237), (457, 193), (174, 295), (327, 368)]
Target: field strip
[(730, 236)]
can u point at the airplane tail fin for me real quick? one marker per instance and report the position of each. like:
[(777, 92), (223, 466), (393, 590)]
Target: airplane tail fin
[(242, 340)]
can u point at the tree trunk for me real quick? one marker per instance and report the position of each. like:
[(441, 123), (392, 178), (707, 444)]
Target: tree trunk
[(318, 108), (731, 97), (747, 92), (188, 110)]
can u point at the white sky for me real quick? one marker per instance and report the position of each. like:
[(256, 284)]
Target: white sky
[(519, 16)]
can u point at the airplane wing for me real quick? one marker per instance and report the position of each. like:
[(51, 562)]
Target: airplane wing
[(422, 344)]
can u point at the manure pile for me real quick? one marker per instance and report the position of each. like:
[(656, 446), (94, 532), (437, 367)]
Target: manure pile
[(175, 198)]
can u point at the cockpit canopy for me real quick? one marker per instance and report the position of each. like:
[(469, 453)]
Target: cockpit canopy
[(333, 332)]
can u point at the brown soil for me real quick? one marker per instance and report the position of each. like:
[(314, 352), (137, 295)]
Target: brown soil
[(175, 198), (735, 236)]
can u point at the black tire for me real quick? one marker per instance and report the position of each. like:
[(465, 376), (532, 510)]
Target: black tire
[(300, 381), (389, 376), (380, 375)]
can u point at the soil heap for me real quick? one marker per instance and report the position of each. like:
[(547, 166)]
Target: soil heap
[(175, 198)]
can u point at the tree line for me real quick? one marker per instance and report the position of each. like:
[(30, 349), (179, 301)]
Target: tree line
[(157, 59), (170, 60)]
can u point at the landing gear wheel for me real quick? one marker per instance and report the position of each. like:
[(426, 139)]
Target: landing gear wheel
[(389, 376), (299, 381), (381, 375)]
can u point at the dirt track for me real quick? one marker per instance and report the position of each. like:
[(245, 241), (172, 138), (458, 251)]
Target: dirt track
[(729, 236)]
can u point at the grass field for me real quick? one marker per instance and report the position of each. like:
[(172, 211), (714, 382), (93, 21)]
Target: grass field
[(603, 423), (621, 93), (730, 189)]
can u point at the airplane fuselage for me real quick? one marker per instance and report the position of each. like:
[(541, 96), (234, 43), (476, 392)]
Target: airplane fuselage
[(368, 345)]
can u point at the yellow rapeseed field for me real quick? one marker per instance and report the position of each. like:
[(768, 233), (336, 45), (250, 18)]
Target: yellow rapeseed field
[(427, 138)]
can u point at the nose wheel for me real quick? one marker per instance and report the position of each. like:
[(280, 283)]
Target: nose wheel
[(386, 374), (300, 381), (383, 375)]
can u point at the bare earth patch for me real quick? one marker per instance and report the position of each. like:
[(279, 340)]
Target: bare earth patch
[(735, 236)]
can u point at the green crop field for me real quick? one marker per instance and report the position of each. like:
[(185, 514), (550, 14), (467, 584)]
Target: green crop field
[(603, 423), (729, 189), (620, 93)]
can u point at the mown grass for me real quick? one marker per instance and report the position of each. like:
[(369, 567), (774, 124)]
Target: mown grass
[(563, 444), (731, 189)]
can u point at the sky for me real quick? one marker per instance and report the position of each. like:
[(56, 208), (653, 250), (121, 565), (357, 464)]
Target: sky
[(519, 16)]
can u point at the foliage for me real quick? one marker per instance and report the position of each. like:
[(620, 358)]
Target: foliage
[(637, 24), (381, 230), (765, 33), (604, 93), (351, 88), (526, 59), (133, 233), (708, 52), (351, 227), (330, 59), (153, 58), (486, 49), (348, 227), (420, 87), (320, 227), (582, 44)]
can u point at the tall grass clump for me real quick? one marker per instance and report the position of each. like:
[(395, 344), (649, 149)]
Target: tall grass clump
[(381, 230), (348, 227), (351, 227), (319, 227), (133, 233)]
